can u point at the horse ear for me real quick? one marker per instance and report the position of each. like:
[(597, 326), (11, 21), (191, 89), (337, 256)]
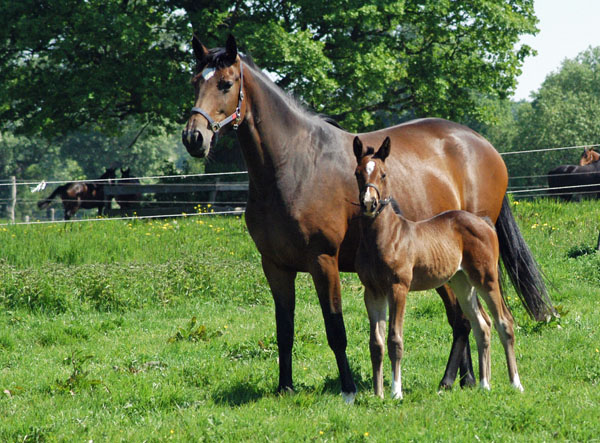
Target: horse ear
[(231, 49), (200, 50), (358, 149), (384, 150)]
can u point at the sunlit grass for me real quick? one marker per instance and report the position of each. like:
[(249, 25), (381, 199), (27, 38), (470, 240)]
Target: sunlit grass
[(98, 342)]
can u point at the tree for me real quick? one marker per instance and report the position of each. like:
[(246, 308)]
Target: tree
[(65, 64), (564, 112)]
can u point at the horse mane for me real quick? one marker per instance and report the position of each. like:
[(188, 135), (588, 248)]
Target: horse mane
[(217, 58)]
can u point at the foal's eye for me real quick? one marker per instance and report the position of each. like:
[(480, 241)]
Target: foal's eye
[(224, 85), (383, 176)]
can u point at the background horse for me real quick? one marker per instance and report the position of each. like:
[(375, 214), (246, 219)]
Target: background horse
[(396, 255), (86, 195), (565, 181), (292, 155), (589, 156), (128, 201)]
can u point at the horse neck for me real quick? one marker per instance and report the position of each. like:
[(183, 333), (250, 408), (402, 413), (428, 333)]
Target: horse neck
[(383, 228), (276, 135)]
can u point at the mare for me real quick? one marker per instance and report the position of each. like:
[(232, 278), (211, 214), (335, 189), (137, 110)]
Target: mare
[(565, 181), (86, 195), (128, 201), (292, 155), (396, 255), (588, 156)]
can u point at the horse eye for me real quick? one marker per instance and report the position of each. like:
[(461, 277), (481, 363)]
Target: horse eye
[(383, 176), (225, 85)]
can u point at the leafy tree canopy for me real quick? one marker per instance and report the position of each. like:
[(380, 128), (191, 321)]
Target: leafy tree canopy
[(65, 64)]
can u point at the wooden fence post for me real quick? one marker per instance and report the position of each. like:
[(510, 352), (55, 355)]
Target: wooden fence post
[(13, 199)]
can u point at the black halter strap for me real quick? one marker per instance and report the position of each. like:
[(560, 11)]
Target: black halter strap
[(236, 117), (381, 204)]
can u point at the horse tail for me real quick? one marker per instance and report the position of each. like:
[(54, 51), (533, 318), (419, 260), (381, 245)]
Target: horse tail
[(521, 267), (46, 202)]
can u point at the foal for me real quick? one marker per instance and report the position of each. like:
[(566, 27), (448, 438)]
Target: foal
[(396, 256)]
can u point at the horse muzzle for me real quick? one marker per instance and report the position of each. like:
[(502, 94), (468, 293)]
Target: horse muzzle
[(196, 143)]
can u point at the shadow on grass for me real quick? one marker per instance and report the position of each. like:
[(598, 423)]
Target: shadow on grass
[(242, 393)]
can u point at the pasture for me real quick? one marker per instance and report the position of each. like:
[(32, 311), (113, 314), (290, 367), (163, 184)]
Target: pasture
[(165, 330)]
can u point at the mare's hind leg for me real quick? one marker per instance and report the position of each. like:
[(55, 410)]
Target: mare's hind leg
[(281, 282), (376, 309), (467, 297), (460, 352), (397, 305), (325, 274), (504, 324)]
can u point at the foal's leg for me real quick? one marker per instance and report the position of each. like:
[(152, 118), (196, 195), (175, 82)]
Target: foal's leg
[(467, 297), (504, 324), (395, 338), (281, 282), (325, 274), (376, 309)]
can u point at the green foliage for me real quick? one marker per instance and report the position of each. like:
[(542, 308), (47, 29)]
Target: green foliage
[(75, 64), (564, 112)]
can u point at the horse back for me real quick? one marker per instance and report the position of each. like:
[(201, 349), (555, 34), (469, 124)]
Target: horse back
[(436, 165)]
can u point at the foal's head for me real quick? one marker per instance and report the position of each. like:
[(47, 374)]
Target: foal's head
[(218, 88), (370, 175)]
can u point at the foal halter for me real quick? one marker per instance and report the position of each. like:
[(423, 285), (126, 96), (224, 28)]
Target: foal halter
[(381, 204), (236, 117)]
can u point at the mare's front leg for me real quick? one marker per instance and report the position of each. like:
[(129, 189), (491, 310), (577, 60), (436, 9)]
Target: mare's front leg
[(281, 281), (325, 274), (376, 309), (397, 303)]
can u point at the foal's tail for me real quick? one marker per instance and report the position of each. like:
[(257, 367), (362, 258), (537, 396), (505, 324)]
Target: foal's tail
[(523, 270), (46, 202)]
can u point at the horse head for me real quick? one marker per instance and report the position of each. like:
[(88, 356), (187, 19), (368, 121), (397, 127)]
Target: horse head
[(589, 156), (370, 176), (218, 85)]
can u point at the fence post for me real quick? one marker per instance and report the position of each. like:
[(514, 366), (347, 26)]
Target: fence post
[(213, 194), (13, 199)]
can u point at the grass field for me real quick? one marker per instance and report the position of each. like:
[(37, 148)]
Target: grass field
[(164, 330)]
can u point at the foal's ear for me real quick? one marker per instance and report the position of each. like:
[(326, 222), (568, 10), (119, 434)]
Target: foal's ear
[(358, 149), (384, 150), (200, 50), (231, 49)]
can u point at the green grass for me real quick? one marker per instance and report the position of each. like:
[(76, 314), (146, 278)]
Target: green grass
[(151, 331)]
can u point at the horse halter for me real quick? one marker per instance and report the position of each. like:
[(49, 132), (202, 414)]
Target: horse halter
[(236, 117), (381, 204)]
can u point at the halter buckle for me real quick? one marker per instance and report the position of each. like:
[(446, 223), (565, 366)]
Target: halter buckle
[(216, 127)]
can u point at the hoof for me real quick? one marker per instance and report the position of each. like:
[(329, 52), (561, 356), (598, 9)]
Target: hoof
[(485, 385), (467, 382), (285, 390), (349, 397)]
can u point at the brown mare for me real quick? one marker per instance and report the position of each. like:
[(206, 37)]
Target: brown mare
[(86, 195), (128, 201), (566, 181), (300, 180), (589, 156), (396, 255)]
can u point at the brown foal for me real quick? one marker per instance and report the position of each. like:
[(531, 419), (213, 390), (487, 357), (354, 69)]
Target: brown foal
[(589, 156), (396, 255)]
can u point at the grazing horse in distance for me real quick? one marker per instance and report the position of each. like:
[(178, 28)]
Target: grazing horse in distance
[(396, 255), (589, 156), (292, 155), (86, 195), (128, 201), (565, 181)]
